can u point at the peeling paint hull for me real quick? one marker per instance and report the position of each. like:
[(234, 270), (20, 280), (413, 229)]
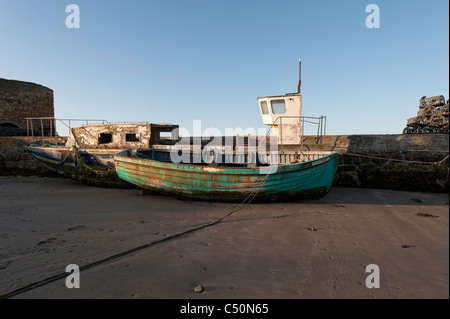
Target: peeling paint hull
[(61, 159), (55, 158), (287, 182)]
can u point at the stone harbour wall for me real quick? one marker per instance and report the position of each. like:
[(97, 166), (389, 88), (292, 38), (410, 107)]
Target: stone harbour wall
[(398, 162), (14, 160)]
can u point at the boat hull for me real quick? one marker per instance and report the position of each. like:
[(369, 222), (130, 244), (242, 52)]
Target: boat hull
[(57, 159), (287, 182), (62, 159), (87, 166)]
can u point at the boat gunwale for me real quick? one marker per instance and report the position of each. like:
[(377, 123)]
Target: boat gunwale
[(273, 185), (231, 194), (67, 148), (222, 169)]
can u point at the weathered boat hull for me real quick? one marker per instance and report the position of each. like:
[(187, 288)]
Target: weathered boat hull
[(286, 182), (58, 159), (87, 166), (62, 159)]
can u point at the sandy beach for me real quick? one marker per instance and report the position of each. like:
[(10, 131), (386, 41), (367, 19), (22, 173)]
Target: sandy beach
[(308, 249)]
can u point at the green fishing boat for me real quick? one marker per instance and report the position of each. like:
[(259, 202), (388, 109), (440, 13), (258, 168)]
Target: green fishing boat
[(153, 170), (267, 168)]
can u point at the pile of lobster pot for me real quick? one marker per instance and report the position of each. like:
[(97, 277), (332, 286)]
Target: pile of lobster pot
[(431, 118)]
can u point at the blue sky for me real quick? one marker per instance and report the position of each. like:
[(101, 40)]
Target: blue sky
[(176, 61)]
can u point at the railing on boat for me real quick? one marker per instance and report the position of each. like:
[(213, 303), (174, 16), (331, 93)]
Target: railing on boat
[(301, 156), (281, 158), (47, 127), (218, 155), (244, 149), (320, 121)]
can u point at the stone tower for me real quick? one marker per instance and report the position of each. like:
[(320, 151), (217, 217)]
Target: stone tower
[(19, 100)]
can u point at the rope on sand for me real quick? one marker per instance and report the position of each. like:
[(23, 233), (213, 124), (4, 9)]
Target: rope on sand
[(250, 197)]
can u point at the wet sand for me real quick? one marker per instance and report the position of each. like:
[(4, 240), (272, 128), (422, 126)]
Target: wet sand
[(309, 249)]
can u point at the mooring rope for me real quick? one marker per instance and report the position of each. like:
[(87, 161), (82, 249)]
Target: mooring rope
[(250, 197), (397, 160)]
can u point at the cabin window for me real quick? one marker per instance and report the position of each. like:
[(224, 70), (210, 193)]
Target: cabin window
[(264, 107), (278, 107), (136, 137), (104, 138), (165, 135)]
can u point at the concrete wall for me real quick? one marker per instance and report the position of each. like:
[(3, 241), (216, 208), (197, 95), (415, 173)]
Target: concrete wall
[(87, 136)]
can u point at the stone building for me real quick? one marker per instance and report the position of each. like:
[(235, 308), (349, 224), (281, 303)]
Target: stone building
[(19, 100)]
